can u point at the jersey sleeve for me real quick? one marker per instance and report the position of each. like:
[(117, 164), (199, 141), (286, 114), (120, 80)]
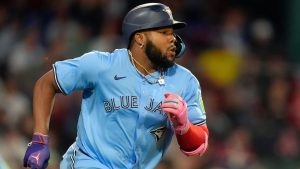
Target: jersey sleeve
[(79, 73), (193, 98)]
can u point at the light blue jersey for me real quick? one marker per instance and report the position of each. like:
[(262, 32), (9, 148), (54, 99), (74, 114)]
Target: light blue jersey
[(121, 124)]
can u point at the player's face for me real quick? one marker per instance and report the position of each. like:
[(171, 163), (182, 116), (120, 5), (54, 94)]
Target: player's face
[(160, 47)]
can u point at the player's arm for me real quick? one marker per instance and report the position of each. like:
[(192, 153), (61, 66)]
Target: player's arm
[(192, 139), (37, 153), (43, 100)]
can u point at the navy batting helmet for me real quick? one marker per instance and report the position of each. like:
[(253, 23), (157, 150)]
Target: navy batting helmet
[(149, 16)]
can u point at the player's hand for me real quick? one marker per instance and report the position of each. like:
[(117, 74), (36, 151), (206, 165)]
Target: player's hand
[(37, 153), (176, 109)]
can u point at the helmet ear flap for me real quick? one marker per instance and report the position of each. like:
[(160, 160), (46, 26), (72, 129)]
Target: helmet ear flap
[(180, 46)]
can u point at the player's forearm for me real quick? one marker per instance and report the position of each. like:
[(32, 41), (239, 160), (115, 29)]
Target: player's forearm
[(43, 100), (193, 139)]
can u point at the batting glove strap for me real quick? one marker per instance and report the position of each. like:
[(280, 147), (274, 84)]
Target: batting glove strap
[(200, 150), (40, 138), (181, 130)]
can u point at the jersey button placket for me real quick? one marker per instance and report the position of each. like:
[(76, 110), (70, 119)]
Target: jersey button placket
[(140, 129)]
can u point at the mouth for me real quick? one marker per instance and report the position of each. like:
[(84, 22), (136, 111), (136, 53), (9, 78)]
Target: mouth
[(172, 50)]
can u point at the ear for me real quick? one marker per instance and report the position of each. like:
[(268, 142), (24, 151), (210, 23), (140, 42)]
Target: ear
[(139, 38)]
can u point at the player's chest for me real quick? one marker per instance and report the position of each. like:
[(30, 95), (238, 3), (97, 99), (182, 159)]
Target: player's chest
[(139, 97), (127, 91), (131, 83)]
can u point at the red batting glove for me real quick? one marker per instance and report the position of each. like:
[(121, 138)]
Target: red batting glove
[(176, 109)]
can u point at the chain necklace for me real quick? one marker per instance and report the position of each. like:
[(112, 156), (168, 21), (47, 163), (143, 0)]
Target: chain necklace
[(160, 80)]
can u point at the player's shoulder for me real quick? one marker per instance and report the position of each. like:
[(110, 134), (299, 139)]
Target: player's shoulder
[(104, 57), (114, 54), (180, 70)]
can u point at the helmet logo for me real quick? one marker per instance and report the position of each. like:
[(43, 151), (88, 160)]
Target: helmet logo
[(169, 12)]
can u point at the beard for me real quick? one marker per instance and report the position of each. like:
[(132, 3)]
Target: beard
[(158, 60)]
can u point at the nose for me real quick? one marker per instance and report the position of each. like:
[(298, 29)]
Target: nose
[(173, 38)]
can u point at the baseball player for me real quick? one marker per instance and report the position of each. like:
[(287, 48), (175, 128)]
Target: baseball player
[(134, 99)]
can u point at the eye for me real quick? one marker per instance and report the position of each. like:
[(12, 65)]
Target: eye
[(166, 32)]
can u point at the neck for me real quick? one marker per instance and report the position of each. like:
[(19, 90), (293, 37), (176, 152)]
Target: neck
[(141, 62)]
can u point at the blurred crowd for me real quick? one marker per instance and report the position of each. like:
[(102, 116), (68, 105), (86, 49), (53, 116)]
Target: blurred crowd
[(251, 90)]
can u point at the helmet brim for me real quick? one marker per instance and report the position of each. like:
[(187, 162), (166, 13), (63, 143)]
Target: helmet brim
[(175, 25), (178, 25)]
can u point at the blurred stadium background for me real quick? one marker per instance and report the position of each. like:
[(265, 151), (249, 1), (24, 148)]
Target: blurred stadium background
[(244, 52)]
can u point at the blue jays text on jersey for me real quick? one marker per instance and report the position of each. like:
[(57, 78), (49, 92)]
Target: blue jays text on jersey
[(127, 102), (121, 124)]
